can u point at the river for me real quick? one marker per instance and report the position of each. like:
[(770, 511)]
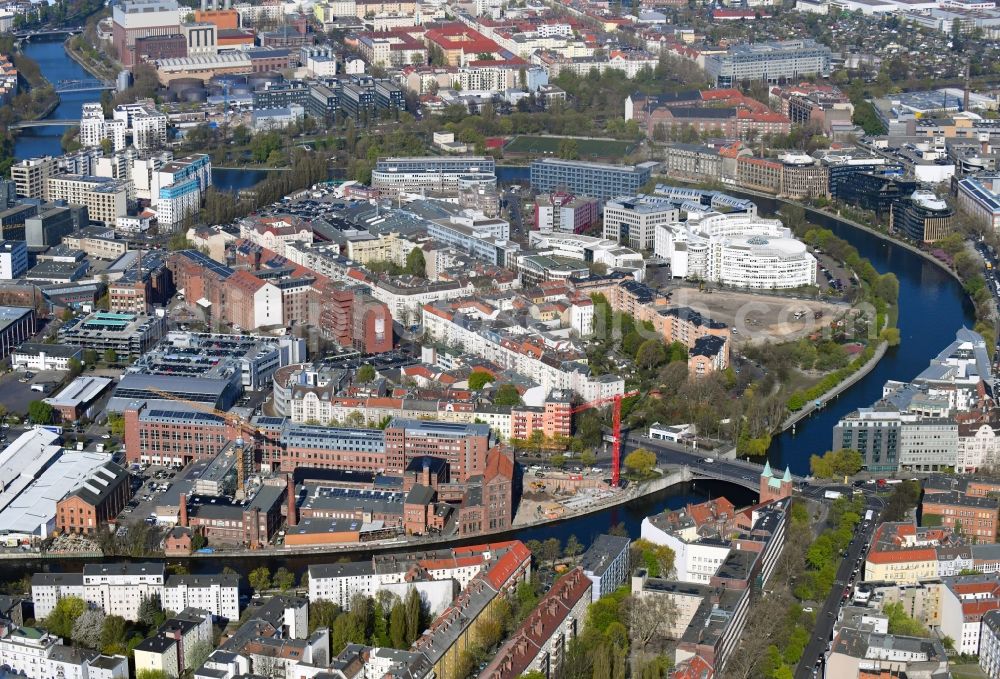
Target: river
[(585, 528), (42, 141), (932, 308)]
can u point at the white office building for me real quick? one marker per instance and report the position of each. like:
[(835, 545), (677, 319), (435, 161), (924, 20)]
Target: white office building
[(696, 559), (632, 221), (587, 249), (737, 249), (13, 259)]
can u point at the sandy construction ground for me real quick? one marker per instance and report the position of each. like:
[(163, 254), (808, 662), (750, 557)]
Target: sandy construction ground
[(760, 317)]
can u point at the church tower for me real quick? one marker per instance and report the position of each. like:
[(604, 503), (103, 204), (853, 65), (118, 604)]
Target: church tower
[(773, 487)]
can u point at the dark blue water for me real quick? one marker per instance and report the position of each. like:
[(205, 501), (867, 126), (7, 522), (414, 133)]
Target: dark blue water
[(585, 528), (56, 65), (234, 180), (932, 308), (512, 173)]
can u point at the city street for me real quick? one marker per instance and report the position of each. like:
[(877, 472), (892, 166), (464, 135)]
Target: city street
[(826, 617)]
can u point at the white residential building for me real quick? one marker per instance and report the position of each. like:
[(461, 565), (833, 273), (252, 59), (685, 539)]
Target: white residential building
[(989, 645), (978, 445), (94, 128), (217, 594), (695, 559), (447, 572), (965, 599), (36, 654), (117, 589), (633, 221), (484, 341)]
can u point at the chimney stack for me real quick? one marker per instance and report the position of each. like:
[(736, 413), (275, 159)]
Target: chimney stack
[(182, 518), (965, 92), (293, 518)]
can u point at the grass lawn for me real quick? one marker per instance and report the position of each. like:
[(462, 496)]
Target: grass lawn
[(967, 671), (588, 148)]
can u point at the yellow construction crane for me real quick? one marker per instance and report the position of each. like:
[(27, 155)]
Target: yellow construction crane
[(233, 420)]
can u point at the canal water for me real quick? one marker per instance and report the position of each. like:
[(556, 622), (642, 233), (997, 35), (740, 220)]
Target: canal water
[(585, 528), (40, 141), (932, 307)]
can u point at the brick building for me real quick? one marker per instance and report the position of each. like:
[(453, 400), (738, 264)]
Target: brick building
[(99, 499), (463, 446), (160, 435), (251, 525), (975, 518)]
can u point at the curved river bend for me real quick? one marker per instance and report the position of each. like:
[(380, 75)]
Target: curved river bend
[(932, 307)]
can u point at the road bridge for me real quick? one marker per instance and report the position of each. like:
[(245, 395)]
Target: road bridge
[(84, 85), (45, 122)]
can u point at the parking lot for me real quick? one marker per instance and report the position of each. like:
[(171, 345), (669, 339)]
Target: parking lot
[(148, 486), (15, 394)]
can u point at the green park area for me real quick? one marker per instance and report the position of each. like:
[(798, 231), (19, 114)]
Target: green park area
[(586, 149)]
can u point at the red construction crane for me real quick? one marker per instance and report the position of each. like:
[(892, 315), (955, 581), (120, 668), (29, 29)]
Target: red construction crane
[(616, 427)]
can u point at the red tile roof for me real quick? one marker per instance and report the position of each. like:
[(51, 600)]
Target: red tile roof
[(515, 656)]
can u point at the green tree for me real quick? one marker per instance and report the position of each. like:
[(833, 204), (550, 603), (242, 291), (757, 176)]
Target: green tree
[(901, 623), (365, 374), (573, 547), (151, 674), (380, 627), (650, 354), (116, 424), (113, 634), (74, 366), (110, 356), (151, 612), (657, 559), (397, 626), (413, 609), (507, 395), (323, 613), (835, 464), (640, 462), (415, 263), (89, 356), (40, 412), (551, 550), (64, 614), (260, 579), (479, 379), (568, 149), (284, 579)]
